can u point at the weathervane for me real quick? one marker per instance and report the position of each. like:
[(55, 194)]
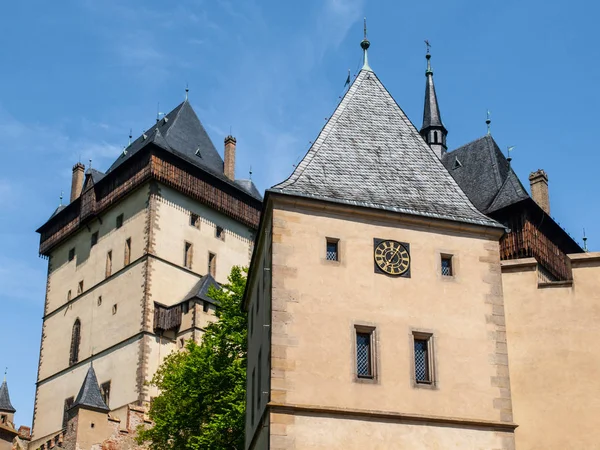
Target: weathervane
[(428, 45), (585, 249), (488, 121), (250, 172), (130, 135), (187, 90), (61, 197)]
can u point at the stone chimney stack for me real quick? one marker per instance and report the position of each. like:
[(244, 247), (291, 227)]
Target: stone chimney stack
[(77, 180), (229, 168), (538, 181)]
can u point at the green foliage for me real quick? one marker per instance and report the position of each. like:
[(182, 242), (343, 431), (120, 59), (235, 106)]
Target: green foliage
[(203, 389)]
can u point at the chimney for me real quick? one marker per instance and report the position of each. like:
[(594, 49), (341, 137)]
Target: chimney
[(539, 189), (77, 180), (229, 168)]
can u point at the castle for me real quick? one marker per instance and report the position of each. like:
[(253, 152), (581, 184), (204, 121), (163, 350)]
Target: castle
[(400, 295)]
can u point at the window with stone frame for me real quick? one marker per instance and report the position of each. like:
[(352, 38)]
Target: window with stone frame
[(447, 269), (68, 403), (127, 254), (108, 271), (220, 233), (195, 220), (365, 352), (332, 249), (423, 358), (105, 392), (80, 288), (212, 264), (187, 255), (75, 342)]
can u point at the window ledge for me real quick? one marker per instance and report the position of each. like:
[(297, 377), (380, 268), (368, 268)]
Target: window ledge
[(555, 284)]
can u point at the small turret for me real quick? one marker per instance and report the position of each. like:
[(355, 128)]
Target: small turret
[(433, 130), (7, 411)]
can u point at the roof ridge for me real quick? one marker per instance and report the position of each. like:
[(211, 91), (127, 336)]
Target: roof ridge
[(494, 160), (467, 144), (179, 108)]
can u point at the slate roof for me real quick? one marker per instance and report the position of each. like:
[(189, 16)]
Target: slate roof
[(89, 395), (369, 154), (5, 404), (57, 210), (96, 175), (249, 187), (182, 133), (200, 290), (485, 175)]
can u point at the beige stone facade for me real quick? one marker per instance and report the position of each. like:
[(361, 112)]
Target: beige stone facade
[(552, 329), (113, 298), (309, 392)]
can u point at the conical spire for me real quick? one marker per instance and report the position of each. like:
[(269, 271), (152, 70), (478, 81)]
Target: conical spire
[(5, 405), (89, 395), (433, 130)]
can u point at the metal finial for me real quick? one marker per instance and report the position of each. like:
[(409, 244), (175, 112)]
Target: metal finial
[(510, 149), (250, 172), (187, 90), (488, 121), (5, 371), (585, 249), (90, 163), (365, 44), (130, 136), (61, 197), (428, 57)]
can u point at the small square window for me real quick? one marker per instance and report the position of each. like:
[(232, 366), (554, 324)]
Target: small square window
[(195, 220), (332, 250), (72, 254), (185, 308), (114, 309), (447, 266), (206, 307), (3, 418), (94, 240), (423, 358), (220, 233), (80, 287), (365, 361), (119, 221)]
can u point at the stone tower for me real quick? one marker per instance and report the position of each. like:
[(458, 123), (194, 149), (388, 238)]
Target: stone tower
[(129, 261)]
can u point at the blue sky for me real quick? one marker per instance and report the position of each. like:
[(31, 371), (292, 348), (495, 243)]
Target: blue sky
[(77, 75)]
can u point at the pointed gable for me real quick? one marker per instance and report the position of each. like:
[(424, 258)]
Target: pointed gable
[(89, 395), (5, 404), (181, 133), (485, 175), (369, 154), (200, 290)]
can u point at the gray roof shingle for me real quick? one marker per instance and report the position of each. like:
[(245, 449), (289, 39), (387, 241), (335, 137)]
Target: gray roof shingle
[(5, 404), (369, 154), (200, 290), (249, 187), (182, 133), (485, 175), (89, 395)]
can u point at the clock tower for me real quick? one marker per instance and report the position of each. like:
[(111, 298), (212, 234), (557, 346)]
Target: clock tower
[(374, 298)]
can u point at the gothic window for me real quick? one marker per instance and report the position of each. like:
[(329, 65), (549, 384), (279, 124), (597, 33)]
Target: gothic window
[(75, 341)]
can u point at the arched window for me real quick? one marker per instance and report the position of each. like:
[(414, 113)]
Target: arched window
[(75, 341)]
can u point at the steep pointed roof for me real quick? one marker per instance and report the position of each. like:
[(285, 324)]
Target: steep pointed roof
[(181, 133), (89, 395), (5, 404), (485, 175), (200, 290), (369, 154), (431, 111)]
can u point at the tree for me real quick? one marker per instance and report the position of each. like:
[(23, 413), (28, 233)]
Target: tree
[(203, 389)]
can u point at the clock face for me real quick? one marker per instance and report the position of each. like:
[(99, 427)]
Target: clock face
[(392, 257)]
